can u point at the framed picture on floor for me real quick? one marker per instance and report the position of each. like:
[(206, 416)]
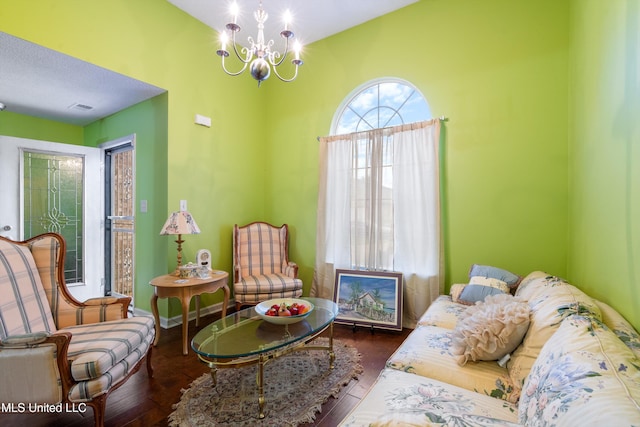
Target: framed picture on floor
[(369, 298)]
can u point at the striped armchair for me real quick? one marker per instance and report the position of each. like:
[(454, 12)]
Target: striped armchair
[(53, 348), (261, 266)]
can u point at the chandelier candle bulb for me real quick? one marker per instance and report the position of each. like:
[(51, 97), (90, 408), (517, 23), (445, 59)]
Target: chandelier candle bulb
[(223, 40), (287, 19), (297, 47), (234, 12)]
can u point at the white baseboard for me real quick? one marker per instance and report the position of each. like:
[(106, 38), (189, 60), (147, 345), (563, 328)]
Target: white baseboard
[(166, 323)]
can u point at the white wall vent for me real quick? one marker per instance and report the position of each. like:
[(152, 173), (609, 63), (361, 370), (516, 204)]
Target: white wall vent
[(80, 107)]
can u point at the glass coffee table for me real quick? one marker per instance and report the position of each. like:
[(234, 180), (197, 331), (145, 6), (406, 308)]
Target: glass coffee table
[(244, 338)]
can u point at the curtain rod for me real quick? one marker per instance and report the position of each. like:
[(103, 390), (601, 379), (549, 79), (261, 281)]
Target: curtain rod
[(441, 118)]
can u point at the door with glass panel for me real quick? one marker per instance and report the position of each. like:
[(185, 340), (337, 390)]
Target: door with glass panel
[(120, 210), (53, 187)]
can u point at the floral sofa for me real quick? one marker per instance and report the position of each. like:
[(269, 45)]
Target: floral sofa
[(576, 364)]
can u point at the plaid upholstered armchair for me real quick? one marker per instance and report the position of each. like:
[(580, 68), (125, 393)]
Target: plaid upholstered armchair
[(261, 266), (53, 348)]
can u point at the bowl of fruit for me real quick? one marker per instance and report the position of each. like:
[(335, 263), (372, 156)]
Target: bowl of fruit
[(284, 311)]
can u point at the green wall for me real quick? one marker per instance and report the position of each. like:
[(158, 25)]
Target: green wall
[(538, 154), (218, 170), (148, 121), (605, 152), (498, 70), (21, 126)]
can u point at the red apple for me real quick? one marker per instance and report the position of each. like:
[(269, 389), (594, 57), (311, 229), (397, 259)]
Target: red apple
[(272, 312)]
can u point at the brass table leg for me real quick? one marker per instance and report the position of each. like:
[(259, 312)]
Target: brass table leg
[(332, 355), (213, 373), (260, 385)]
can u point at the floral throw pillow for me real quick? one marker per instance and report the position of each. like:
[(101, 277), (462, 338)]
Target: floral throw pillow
[(490, 329)]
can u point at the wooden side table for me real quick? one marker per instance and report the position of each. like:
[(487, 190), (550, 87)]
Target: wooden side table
[(172, 286)]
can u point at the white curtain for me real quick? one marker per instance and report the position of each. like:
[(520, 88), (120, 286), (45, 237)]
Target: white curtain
[(415, 246), (333, 248)]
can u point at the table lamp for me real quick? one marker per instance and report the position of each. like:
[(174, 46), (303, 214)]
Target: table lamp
[(179, 223)]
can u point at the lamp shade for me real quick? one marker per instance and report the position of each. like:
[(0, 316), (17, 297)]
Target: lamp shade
[(180, 222)]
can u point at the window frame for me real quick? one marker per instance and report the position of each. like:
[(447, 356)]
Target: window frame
[(346, 102)]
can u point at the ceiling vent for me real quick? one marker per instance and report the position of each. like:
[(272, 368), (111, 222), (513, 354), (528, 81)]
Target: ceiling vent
[(80, 107)]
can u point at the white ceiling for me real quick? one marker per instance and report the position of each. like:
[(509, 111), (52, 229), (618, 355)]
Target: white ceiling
[(41, 82), (313, 20)]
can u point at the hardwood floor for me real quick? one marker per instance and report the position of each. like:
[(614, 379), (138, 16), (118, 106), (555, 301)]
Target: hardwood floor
[(147, 402)]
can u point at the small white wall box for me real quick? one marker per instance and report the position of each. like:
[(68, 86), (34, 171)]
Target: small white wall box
[(203, 120)]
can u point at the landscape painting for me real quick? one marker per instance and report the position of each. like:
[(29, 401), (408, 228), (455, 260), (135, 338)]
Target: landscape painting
[(369, 298)]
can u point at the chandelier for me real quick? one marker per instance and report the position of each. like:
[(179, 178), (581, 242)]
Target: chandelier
[(259, 57)]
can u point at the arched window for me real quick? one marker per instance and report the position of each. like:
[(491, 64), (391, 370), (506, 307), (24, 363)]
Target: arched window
[(379, 104), (378, 195)]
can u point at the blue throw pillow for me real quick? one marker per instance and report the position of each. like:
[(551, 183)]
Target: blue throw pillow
[(512, 280), (480, 287)]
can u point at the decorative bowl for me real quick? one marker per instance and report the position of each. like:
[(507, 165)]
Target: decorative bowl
[(187, 271), (262, 308)]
